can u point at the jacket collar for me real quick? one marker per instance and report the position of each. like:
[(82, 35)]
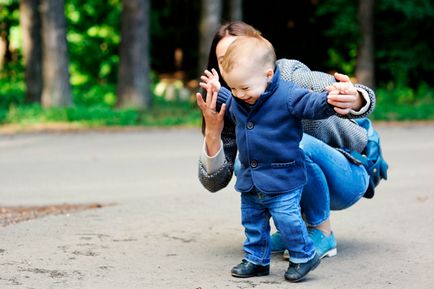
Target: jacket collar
[(273, 85)]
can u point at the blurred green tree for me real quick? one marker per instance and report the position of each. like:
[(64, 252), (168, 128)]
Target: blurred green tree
[(403, 53), (93, 40), (8, 20), (404, 50)]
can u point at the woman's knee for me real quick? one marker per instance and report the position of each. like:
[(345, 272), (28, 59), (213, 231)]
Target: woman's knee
[(308, 144)]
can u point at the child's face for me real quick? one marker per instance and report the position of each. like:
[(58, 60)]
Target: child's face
[(247, 81)]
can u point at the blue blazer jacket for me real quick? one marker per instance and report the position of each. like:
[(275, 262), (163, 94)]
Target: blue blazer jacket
[(269, 132)]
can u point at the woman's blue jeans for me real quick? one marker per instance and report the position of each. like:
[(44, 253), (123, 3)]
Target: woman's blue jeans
[(334, 182), (256, 210)]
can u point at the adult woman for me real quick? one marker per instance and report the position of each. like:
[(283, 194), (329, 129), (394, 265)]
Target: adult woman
[(335, 180)]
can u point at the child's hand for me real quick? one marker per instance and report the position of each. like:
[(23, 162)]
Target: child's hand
[(210, 80), (344, 96), (214, 120)]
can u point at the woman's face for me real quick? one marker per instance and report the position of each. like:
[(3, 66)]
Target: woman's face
[(221, 48)]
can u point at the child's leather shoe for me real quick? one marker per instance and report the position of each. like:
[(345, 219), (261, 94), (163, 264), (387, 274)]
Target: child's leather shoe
[(297, 272), (247, 269)]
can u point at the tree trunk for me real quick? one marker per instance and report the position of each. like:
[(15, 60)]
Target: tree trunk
[(5, 53), (56, 90), (236, 9), (209, 22), (365, 55), (133, 82), (32, 51)]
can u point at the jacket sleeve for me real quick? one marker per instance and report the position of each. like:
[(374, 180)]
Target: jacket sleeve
[(305, 104), (300, 74), (219, 179)]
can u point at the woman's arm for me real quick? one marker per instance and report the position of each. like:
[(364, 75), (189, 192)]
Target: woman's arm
[(300, 74), (215, 163)]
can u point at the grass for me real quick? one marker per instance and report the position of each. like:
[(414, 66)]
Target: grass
[(400, 112), (184, 114), (403, 104)]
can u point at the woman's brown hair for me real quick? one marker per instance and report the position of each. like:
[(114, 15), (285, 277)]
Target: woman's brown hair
[(235, 28)]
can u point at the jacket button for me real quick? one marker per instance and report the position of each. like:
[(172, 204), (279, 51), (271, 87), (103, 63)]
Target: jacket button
[(250, 125), (254, 164)]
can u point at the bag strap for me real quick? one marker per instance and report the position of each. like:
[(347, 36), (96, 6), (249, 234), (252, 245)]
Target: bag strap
[(360, 157)]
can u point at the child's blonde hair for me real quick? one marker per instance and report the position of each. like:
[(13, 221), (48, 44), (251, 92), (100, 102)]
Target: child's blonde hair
[(254, 49)]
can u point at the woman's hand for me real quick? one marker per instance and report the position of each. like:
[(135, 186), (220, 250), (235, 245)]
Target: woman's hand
[(214, 120), (344, 96)]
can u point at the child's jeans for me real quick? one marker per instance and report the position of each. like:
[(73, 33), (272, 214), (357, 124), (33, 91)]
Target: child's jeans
[(256, 210), (334, 182)]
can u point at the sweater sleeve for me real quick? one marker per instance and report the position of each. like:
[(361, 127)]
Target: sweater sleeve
[(220, 176), (212, 163)]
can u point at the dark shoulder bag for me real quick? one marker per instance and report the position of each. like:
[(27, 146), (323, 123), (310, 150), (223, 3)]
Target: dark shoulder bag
[(372, 157)]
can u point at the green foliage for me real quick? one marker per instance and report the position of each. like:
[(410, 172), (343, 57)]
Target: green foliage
[(8, 11), (403, 48), (9, 20), (340, 17), (95, 95), (412, 9), (32, 114), (169, 113), (11, 93), (93, 39), (97, 116), (404, 103)]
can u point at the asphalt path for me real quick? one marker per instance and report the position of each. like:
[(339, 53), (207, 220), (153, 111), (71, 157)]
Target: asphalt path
[(160, 228)]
